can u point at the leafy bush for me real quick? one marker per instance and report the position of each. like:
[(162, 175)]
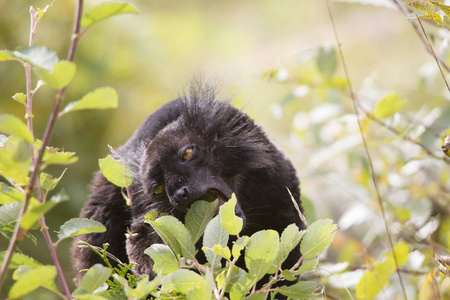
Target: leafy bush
[(180, 275), (383, 150), (25, 188)]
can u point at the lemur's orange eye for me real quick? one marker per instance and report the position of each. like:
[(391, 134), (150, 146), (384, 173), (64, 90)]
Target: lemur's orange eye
[(158, 189), (187, 153)]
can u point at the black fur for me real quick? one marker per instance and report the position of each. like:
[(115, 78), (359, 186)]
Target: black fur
[(230, 154)]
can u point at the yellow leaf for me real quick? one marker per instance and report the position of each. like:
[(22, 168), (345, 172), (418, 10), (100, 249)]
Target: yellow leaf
[(401, 253), (388, 106), (427, 290)]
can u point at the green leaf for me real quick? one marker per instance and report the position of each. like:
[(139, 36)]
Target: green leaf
[(261, 251), (290, 238), (327, 60), (388, 106), (308, 265), (222, 251), (20, 259), (164, 260), (185, 280), (95, 277), (21, 98), (301, 290), (9, 194), (198, 216), (288, 275), (105, 11), (101, 98), (116, 171), (39, 56), (188, 283), (174, 234), (61, 75), (375, 279), (317, 238), (48, 182), (34, 212), (15, 160), (143, 288), (259, 296), (10, 124), (241, 287), (239, 245), (22, 270), (9, 213), (4, 55), (77, 226), (166, 283), (33, 279), (54, 156), (236, 273), (90, 297), (228, 219), (203, 291), (215, 234)]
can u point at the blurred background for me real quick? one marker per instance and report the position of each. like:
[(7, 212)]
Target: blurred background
[(276, 59)]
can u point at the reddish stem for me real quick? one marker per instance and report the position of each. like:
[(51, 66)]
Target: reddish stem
[(17, 235)]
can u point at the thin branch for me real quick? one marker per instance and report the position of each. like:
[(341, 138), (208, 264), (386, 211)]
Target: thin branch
[(431, 48), (406, 271), (17, 236), (424, 38), (76, 32), (366, 148), (405, 137), (54, 255), (405, 11), (33, 26)]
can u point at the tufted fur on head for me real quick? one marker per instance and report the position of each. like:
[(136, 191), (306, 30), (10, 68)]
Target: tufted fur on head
[(192, 148)]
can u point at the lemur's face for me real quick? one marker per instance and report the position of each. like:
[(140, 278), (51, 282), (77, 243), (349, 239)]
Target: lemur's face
[(179, 168)]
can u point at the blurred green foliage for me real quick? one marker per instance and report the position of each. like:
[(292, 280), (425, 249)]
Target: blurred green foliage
[(278, 57)]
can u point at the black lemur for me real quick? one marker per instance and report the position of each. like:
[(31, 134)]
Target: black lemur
[(192, 148)]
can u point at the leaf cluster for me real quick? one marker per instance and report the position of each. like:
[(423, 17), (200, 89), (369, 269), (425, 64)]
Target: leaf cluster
[(27, 191), (179, 274), (404, 133)]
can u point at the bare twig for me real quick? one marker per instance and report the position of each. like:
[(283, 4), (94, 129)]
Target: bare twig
[(405, 11), (431, 48), (366, 148), (405, 137), (424, 38)]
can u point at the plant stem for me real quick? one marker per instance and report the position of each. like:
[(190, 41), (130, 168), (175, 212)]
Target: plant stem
[(405, 137), (54, 255), (366, 149), (32, 26), (76, 31), (16, 236), (227, 278), (421, 35)]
